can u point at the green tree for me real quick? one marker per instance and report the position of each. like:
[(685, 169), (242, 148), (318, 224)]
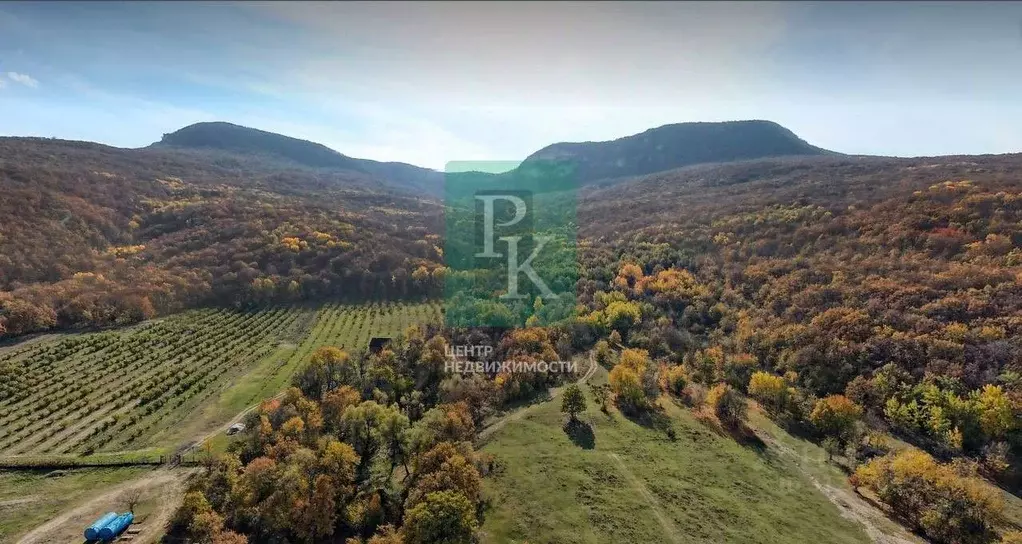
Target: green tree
[(835, 416), (394, 432), (361, 427), (832, 446), (443, 517), (573, 402), (601, 393), (443, 423)]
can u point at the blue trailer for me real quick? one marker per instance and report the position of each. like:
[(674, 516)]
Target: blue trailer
[(92, 531)]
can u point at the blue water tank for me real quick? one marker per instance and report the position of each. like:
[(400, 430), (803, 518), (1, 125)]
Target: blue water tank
[(92, 531), (114, 528)]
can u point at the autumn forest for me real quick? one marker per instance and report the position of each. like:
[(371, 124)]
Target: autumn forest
[(871, 306)]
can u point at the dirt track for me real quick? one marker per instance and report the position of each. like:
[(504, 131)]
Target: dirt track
[(162, 485), (223, 428), (654, 505), (849, 505), (518, 414)]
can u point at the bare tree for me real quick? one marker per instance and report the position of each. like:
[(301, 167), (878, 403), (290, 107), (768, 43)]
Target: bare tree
[(131, 497)]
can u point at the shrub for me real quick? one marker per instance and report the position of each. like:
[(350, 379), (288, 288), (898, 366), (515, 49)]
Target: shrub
[(727, 404), (996, 458), (604, 354), (676, 379), (944, 505), (627, 388)]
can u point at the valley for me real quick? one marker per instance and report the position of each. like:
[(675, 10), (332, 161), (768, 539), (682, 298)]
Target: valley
[(763, 326), (510, 272)]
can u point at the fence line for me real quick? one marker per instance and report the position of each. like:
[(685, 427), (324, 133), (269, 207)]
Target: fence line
[(70, 462)]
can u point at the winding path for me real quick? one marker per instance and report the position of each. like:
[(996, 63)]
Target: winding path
[(518, 414), (654, 505)]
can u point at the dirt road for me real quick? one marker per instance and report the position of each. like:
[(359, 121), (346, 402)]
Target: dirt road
[(851, 506), (654, 505), (161, 487), (223, 428)]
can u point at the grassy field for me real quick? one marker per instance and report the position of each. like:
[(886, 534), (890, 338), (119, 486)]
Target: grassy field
[(625, 482), (28, 498), (155, 386)]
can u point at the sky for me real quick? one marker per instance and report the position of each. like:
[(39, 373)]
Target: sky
[(428, 83)]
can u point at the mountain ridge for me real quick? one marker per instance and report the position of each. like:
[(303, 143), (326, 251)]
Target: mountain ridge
[(657, 149), (224, 136), (678, 145)]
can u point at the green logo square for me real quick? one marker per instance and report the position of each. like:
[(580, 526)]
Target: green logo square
[(511, 243)]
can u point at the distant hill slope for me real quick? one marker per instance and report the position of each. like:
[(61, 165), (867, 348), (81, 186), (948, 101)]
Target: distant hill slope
[(97, 235), (677, 145), (655, 150), (235, 138)]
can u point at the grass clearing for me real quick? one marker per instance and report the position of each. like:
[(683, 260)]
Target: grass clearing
[(28, 498), (610, 485)]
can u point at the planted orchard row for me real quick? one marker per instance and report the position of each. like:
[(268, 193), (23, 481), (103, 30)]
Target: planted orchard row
[(194, 397), (39, 365), (79, 374), (195, 376), (171, 358), (99, 391)]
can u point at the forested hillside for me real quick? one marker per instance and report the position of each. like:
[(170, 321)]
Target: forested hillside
[(94, 235), (832, 267), (830, 289), (848, 295), (250, 141), (677, 145), (853, 298)]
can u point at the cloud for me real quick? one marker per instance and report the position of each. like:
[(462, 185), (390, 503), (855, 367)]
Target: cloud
[(554, 53), (427, 83), (24, 79)]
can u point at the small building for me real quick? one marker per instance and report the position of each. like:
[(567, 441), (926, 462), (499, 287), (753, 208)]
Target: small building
[(236, 428), (377, 343)]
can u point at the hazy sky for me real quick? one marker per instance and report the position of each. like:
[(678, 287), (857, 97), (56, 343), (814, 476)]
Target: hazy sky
[(428, 83)]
